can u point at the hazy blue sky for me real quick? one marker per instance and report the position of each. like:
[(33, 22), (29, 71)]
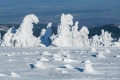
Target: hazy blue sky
[(50, 10)]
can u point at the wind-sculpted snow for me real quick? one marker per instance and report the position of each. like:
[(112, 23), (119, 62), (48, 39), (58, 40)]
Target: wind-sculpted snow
[(35, 63), (68, 35)]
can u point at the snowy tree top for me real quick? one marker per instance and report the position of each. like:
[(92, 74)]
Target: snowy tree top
[(31, 18), (67, 19)]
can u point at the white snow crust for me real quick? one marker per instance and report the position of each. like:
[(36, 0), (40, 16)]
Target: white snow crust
[(53, 63)]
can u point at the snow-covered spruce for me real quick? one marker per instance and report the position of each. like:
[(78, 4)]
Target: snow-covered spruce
[(64, 37), (104, 39), (24, 34), (46, 34), (7, 38), (68, 35)]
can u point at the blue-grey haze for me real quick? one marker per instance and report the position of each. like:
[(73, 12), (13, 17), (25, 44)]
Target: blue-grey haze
[(87, 12)]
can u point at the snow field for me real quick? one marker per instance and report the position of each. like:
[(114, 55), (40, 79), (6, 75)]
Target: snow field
[(48, 63)]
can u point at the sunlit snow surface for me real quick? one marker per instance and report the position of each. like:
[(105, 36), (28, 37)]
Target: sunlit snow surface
[(59, 63)]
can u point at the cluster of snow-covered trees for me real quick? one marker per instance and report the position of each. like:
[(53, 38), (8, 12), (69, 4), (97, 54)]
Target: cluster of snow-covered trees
[(68, 35)]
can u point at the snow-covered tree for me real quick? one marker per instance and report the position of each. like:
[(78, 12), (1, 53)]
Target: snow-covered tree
[(23, 36), (104, 39), (80, 38), (95, 41), (84, 36), (46, 34), (64, 37), (7, 39), (69, 35), (76, 35)]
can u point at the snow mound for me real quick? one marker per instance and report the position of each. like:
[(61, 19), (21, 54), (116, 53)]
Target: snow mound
[(3, 75), (68, 60), (12, 60), (47, 53), (64, 72), (89, 68), (44, 59), (58, 59), (9, 54), (100, 55), (93, 50), (64, 53), (75, 52), (108, 51), (57, 56), (41, 65), (117, 55), (69, 66), (13, 74)]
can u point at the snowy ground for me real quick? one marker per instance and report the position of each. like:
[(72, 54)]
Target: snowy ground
[(59, 63)]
